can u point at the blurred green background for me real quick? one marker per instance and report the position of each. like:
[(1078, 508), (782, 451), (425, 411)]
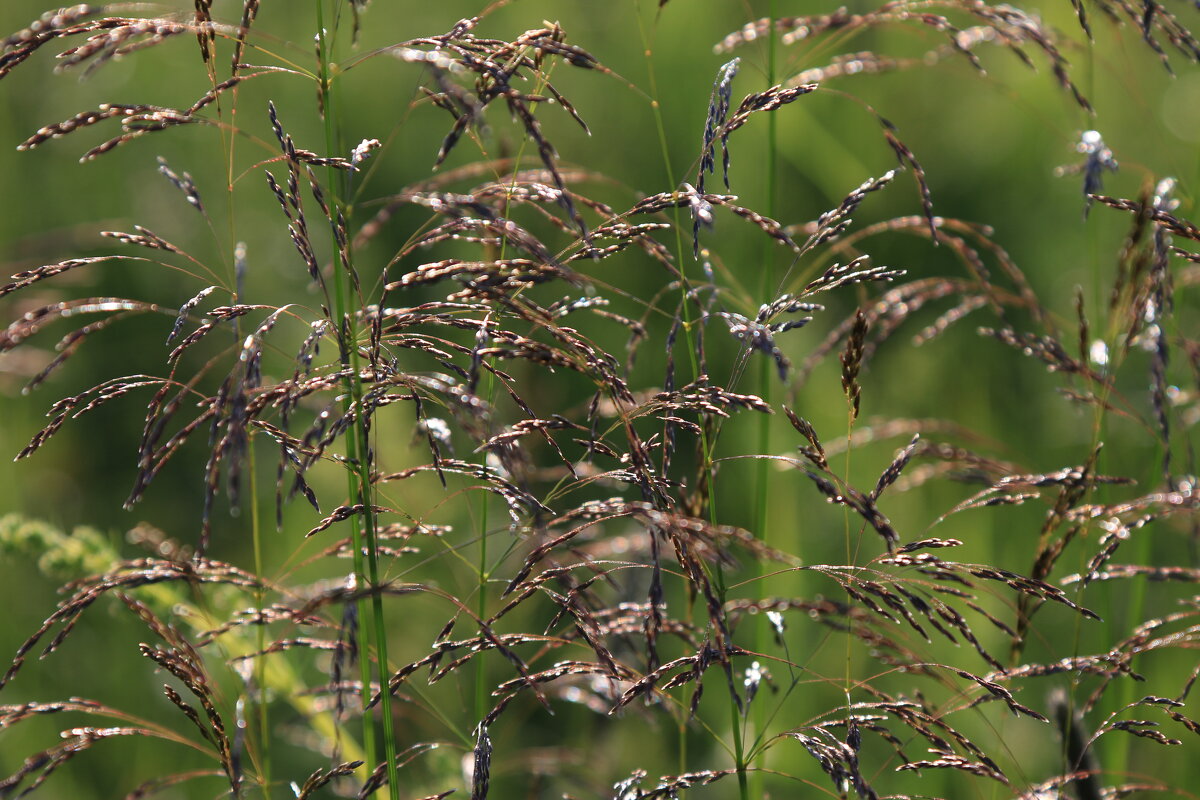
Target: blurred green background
[(989, 145)]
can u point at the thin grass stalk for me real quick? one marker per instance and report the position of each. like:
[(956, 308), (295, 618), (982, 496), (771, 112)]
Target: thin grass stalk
[(660, 127), (1099, 420), (358, 447), (481, 604), (739, 751), (705, 444), (260, 666), (481, 689), (257, 702), (481, 692), (685, 286), (762, 473), (1125, 690)]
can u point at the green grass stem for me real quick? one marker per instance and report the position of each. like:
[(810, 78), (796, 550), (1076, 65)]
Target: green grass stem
[(373, 634)]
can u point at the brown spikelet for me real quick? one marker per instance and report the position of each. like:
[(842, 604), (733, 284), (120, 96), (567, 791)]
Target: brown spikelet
[(183, 183), (204, 32), (863, 62), (119, 37), (249, 14), (852, 360), (29, 277), (75, 741), (814, 452), (1046, 349), (80, 120), (894, 469), (33, 321), (906, 157), (50, 26), (482, 764), (143, 238), (138, 124), (321, 777)]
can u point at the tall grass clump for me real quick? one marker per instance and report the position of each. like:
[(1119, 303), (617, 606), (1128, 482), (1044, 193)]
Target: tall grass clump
[(523, 421)]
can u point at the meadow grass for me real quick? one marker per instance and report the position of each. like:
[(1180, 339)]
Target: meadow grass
[(532, 478)]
